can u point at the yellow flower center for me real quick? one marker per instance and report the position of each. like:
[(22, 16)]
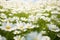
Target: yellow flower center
[(8, 27), (28, 27), (21, 27), (35, 39)]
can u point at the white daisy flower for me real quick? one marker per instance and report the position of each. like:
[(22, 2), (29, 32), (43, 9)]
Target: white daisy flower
[(19, 38), (36, 36), (45, 18), (29, 25), (54, 12), (16, 32), (45, 38), (2, 14), (32, 18), (2, 38), (53, 27), (8, 26), (43, 32), (21, 25), (23, 19)]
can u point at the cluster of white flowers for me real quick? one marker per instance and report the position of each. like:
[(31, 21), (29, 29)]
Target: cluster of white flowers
[(19, 25), (32, 36), (19, 38), (12, 17)]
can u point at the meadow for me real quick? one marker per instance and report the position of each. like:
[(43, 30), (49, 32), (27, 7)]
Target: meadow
[(29, 20)]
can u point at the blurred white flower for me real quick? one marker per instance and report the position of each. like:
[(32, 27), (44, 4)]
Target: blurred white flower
[(16, 32), (32, 18), (29, 25), (43, 32), (2, 38), (53, 27), (2, 14), (36, 36), (23, 19), (58, 35), (16, 18), (19, 38), (10, 14), (53, 17), (45, 18), (55, 12), (48, 8), (45, 38)]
